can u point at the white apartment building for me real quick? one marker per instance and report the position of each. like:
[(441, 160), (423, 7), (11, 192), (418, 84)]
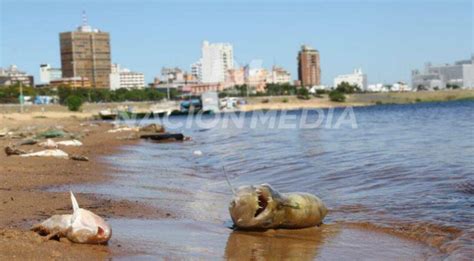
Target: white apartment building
[(124, 78), (48, 74), (278, 75), (357, 77), (196, 70), (216, 60), (12, 75)]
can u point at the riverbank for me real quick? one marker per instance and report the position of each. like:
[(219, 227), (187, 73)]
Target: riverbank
[(24, 200), (354, 100), (88, 110), (157, 229)]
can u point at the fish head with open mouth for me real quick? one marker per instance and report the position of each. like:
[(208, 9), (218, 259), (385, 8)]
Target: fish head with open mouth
[(254, 206)]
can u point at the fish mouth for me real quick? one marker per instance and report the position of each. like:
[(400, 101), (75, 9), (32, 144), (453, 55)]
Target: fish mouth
[(262, 203)]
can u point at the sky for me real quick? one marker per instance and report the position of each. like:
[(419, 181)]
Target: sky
[(387, 39)]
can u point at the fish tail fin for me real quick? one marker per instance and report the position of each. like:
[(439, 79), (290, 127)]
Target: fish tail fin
[(75, 205)]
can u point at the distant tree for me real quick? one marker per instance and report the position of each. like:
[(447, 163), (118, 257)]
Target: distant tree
[(452, 86), (337, 96), (345, 87), (280, 89), (421, 87), (303, 93), (74, 102)]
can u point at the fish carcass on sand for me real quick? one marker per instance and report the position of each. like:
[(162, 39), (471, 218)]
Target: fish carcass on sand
[(82, 226), (262, 207), (56, 153)]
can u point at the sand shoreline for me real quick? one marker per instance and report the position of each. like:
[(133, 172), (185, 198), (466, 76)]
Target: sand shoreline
[(25, 201)]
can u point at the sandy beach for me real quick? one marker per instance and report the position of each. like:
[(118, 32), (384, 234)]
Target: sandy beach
[(23, 181)]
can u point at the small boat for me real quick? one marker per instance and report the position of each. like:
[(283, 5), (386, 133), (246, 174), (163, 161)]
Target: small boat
[(107, 115)]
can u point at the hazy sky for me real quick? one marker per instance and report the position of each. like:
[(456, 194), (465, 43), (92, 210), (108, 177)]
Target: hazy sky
[(386, 38)]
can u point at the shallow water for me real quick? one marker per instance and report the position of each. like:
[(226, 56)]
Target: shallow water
[(406, 168)]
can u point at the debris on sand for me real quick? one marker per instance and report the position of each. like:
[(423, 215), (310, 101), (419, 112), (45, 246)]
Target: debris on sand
[(131, 136), (47, 153), (51, 134), (28, 142), (154, 128), (164, 137), (3, 132), (9, 150), (82, 226), (122, 129), (49, 144), (79, 158)]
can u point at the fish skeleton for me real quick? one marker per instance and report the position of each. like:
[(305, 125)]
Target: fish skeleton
[(82, 226), (262, 207)]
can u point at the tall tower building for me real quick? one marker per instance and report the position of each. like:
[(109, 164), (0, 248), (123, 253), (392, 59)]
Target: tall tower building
[(217, 59), (309, 69), (86, 53)]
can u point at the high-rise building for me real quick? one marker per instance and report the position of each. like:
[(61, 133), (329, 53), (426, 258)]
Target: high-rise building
[(309, 68), (217, 59), (48, 73), (86, 53)]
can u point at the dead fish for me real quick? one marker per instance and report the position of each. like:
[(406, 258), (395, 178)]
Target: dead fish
[(74, 143), (47, 153), (9, 150), (49, 144), (79, 158), (28, 142), (82, 226), (262, 207)]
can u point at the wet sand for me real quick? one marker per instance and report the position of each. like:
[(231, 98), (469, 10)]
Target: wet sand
[(25, 199)]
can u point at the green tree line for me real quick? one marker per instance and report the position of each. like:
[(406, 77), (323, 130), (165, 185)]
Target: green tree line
[(10, 94)]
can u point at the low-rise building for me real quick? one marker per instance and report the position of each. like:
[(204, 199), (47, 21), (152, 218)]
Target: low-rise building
[(376, 87), (400, 87), (73, 82), (124, 78), (278, 75), (48, 73), (235, 77), (200, 88), (12, 75), (461, 73), (356, 78), (172, 75), (256, 78)]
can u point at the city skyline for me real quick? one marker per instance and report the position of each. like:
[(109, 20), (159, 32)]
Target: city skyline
[(149, 46)]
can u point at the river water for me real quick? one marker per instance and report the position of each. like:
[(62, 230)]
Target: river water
[(401, 169)]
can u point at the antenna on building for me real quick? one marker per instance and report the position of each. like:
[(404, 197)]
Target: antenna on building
[(84, 18)]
